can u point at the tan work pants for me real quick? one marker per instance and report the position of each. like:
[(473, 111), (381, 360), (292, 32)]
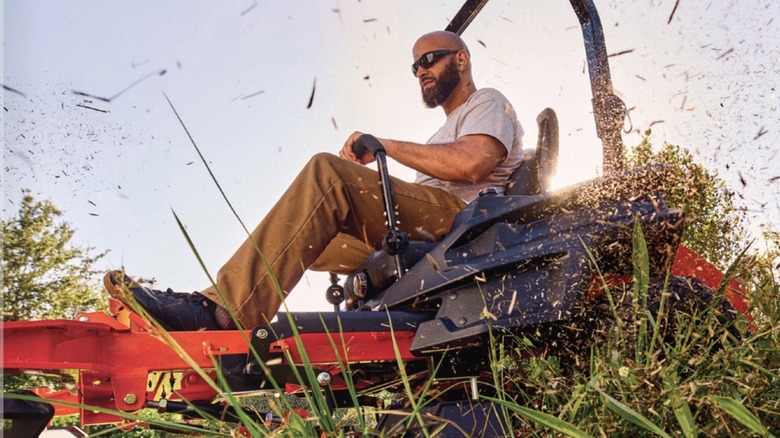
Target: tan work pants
[(329, 219)]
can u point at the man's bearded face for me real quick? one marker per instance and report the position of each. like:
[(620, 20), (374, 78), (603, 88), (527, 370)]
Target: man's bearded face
[(445, 83)]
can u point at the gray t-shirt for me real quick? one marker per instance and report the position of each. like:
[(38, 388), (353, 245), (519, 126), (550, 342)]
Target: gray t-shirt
[(487, 112)]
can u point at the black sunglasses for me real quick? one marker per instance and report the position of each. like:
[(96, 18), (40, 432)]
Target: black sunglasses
[(428, 59)]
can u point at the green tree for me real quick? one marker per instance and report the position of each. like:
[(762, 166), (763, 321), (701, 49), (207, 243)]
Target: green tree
[(45, 275), (713, 225)]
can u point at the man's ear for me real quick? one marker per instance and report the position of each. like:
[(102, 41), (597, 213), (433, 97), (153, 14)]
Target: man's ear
[(462, 59)]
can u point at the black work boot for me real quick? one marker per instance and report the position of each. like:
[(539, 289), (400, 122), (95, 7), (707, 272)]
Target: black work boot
[(175, 311)]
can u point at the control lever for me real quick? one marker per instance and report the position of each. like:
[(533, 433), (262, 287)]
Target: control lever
[(396, 241)]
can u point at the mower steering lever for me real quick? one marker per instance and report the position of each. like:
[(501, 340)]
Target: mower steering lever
[(396, 241)]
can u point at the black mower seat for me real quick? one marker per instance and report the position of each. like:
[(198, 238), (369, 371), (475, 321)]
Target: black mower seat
[(538, 166)]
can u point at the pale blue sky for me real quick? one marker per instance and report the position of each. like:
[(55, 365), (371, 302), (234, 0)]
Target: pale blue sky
[(240, 75)]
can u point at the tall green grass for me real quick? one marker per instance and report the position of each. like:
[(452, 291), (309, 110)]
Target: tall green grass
[(694, 372)]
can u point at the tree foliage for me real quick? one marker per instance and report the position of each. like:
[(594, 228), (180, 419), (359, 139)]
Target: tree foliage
[(45, 275), (713, 225)]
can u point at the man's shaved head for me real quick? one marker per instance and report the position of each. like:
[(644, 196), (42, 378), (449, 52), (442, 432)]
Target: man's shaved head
[(440, 39)]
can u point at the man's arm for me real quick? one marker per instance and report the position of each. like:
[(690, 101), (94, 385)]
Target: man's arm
[(469, 159)]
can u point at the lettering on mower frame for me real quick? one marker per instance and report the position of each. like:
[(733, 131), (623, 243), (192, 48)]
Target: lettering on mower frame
[(163, 383)]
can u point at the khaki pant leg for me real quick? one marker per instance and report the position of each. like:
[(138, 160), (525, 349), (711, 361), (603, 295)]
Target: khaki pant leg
[(330, 196), (343, 255)]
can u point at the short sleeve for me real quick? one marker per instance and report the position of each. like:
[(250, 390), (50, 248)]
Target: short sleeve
[(490, 113)]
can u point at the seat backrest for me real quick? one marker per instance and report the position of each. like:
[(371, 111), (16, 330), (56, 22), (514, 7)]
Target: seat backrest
[(539, 166)]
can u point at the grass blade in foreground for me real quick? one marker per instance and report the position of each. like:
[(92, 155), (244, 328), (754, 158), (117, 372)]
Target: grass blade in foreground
[(742, 414), (630, 415), (682, 411), (541, 418), (641, 263)]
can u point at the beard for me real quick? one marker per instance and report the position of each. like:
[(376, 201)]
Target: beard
[(441, 90)]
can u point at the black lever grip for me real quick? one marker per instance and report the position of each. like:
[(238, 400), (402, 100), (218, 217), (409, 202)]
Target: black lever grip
[(367, 142)]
